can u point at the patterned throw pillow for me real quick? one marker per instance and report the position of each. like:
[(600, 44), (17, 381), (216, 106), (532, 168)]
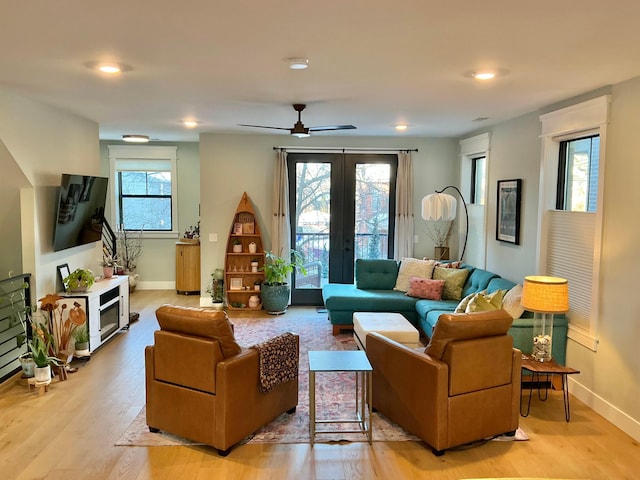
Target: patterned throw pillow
[(462, 306), (425, 288), (457, 264), (454, 280), (485, 302), (412, 267), (512, 302)]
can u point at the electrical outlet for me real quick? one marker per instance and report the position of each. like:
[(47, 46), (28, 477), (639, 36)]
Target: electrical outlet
[(213, 237), (416, 239)]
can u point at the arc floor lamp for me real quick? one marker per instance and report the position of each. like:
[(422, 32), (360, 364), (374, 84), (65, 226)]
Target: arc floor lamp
[(440, 206)]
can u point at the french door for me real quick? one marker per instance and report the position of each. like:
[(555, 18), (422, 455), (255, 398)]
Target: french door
[(342, 208)]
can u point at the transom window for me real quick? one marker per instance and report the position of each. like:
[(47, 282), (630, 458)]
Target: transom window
[(578, 174)]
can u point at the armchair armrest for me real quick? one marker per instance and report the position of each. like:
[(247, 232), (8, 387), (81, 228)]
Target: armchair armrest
[(409, 387)]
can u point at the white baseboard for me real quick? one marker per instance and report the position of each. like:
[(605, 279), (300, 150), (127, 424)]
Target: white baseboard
[(156, 285), (610, 412)]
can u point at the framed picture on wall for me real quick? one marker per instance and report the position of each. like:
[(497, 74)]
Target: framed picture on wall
[(508, 211)]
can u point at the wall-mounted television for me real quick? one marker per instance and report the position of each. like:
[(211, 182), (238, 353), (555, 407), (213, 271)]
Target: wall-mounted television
[(80, 210)]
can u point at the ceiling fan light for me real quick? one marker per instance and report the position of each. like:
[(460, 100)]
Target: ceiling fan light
[(300, 134), (135, 138)]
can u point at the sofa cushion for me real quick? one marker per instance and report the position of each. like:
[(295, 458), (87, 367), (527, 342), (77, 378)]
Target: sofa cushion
[(462, 326), (512, 302), (376, 274), (412, 267), (425, 288), (346, 297), (199, 322), (499, 283), (454, 280)]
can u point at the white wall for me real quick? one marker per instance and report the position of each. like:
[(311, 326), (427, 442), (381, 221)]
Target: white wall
[(232, 164), (609, 380), (44, 142)]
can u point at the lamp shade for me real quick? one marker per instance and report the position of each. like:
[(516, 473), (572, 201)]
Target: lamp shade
[(438, 207), (544, 294)]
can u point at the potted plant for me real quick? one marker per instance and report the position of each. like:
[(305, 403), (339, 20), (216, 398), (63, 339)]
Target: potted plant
[(81, 337), (237, 246), (216, 289), (109, 266), (275, 288), (80, 280), (40, 346), (439, 231)]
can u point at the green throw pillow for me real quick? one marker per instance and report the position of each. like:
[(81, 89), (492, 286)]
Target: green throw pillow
[(462, 306), (486, 302), (454, 280)]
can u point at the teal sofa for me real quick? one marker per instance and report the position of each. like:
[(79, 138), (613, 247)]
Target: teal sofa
[(373, 292)]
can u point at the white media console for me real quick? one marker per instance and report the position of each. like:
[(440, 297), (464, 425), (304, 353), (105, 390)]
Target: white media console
[(107, 308)]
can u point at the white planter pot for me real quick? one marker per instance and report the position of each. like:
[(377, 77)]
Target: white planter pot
[(42, 374)]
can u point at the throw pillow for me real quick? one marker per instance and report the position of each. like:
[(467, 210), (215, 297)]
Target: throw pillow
[(512, 302), (457, 264), (425, 288), (462, 306), (412, 267), (485, 302), (454, 279)]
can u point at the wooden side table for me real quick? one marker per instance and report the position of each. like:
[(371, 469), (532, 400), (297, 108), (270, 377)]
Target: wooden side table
[(548, 369)]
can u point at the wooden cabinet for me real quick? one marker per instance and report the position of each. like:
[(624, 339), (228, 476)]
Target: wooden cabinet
[(244, 247), (187, 268)]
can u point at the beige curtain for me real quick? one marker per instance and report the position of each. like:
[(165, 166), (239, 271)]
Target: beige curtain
[(280, 227), (403, 234)]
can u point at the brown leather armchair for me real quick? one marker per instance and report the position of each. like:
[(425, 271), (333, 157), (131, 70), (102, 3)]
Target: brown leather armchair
[(202, 385), (464, 387)]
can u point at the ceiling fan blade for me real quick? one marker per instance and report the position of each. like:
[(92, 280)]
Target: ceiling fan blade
[(263, 126), (332, 127)]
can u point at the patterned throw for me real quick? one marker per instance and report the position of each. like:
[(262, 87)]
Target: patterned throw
[(278, 361)]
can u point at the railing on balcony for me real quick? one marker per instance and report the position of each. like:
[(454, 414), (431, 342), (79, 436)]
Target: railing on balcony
[(315, 250)]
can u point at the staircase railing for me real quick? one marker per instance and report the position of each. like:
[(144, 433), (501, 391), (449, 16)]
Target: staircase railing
[(109, 243)]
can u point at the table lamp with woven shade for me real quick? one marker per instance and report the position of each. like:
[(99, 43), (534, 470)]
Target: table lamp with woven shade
[(544, 296)]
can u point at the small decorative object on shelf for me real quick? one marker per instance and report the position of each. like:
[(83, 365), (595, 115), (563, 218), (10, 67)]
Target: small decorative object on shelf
[(244, 259)]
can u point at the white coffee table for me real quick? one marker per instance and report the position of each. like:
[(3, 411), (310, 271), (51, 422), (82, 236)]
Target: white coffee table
[(342, 361), (391, 325)]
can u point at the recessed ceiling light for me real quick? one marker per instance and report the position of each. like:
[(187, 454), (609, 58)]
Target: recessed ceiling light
[(401, 127), (135, 138), (484, 75), (110, 68), (298, 63), (190, 123)]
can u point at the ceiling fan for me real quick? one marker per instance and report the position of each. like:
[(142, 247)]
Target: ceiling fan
[(299, 130)]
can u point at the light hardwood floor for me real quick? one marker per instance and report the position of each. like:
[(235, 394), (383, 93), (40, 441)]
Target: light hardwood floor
[(70, 432)]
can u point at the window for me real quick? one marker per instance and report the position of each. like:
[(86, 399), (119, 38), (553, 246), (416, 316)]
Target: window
[(478, 182), (144, 190), (474, 165), (144, 202), (570, 218), (578, 174)]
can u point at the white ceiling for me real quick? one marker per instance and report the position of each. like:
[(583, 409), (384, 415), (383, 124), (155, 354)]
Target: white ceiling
[(373, 63)]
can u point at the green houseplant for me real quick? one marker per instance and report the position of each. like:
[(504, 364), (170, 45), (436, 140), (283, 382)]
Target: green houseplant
[(80, 280), (276, 289)]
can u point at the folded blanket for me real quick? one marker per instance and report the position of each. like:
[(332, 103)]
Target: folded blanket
[(278, 361)]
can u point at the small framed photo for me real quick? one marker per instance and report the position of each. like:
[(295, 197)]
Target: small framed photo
[(508, 211), (63, 272), (248, 228), (237, 229), (235, 284)]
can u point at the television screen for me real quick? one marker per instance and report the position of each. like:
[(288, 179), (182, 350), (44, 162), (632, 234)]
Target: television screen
[(80, 211)]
